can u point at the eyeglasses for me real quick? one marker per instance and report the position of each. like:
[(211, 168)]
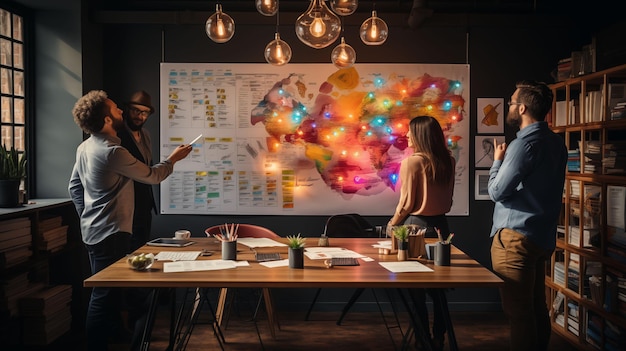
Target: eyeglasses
[(513, 103), (144, 113)]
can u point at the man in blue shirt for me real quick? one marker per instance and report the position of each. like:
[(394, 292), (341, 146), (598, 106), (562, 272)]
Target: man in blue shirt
[(526, 183)]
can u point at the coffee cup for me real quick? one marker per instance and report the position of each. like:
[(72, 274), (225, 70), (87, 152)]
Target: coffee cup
[(182, 234)]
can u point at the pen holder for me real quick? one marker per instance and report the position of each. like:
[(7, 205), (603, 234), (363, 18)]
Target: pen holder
[(229, 250), (442, 254)]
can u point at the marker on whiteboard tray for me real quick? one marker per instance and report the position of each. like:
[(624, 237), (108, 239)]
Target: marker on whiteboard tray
[(196, 139)]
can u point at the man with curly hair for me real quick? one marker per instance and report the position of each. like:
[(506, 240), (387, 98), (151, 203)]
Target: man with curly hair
[(101, 187)]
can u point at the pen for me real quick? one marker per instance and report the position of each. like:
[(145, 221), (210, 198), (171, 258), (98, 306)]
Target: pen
[(196, 139)]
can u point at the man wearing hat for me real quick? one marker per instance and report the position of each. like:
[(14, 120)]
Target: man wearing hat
[(136, 140)]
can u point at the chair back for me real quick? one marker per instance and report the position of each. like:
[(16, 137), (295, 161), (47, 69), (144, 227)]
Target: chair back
[(349, 225), (245, 231)]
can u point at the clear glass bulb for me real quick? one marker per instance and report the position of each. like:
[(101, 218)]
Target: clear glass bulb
[(220, 27), (344, 7), (277, 52), (318, 27), (374, 31), (343, 55), (267, 7)]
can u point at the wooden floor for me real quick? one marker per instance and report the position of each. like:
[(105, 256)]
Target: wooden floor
[(475, 331)]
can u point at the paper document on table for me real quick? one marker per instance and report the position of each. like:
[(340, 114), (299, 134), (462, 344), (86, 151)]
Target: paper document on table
[(200, 265), (386, 244), (177, 255), (405, 266), (277, 263), (321, 253), (259, 242)]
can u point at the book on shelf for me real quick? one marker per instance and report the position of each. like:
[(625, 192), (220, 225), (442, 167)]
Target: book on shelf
[(15, 256), (14, 234), (22, 241), (616, 210), (14, 223), (49, 223)]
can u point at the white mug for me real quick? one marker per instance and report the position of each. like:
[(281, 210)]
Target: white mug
[(182, 234)]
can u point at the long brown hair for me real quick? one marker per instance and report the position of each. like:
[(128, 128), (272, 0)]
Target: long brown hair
[(428, 139)]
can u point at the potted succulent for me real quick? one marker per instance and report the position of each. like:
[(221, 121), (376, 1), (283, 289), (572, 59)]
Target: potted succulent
[(401, 233), (12, 172), (296, 245)]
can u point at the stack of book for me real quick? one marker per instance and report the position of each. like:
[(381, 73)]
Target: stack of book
[(15, 241), (572, 317), (564, 69), (573, 160), (573, 272), (614, 161), (559, 273), (618, 111), (46, 314), (52, 234), (12, 289), (593, 158)]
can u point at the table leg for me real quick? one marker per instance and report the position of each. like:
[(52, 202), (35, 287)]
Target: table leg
[(443, 308), (147, 330), (418, 327)]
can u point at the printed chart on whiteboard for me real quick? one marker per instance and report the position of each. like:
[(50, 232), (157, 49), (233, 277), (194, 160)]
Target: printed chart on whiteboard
[(303, 139)]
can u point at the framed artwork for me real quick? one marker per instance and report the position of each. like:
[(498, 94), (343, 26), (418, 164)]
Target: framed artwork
[(490, 115), (481, 178), (484, 148)]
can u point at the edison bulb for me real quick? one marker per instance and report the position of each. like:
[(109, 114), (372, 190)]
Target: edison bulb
[(344, 7), (318, 27), (343, 56), (220, 27), (266, 7), (374, 31), (277, 52)]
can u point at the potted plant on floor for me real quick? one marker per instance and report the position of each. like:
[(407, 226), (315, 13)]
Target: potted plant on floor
[(296, 245), (12, 172), (401, 233)]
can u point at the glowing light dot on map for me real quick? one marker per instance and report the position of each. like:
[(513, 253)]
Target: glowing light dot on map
[(433, 86), (386, 103), (370, 95), (350, 116), (276, 145), (364, 127), (454, 117), (394, 178), (403, 91), (399, 103), (314, 125), (340, 178), (429, 107), (379, 82), (356, 154), (399, 125), (281, 91), (327, 114), (335, 133), (275, 114), (369, 133), (380, 121), (300, 132), (344, 152), (328, 137), (280, 120), (447, 105), (357, 179)]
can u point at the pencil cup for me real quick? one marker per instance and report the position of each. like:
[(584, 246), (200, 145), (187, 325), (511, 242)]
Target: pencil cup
[(442, 254), (430, 251), (229, 250)]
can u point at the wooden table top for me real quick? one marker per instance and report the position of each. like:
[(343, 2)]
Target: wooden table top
[(463, 272)]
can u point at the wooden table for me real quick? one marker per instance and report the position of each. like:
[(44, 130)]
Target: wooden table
[(464, 272)]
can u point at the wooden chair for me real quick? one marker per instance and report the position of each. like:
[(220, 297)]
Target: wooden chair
[(248, 231)]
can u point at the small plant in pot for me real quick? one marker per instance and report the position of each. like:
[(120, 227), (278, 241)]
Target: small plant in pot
[(296, 245), (401, 233), (12, 172)]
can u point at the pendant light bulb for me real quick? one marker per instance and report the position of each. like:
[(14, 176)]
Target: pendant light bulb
[(220, 27), (318, 27), (277, 52), (343, 55), (266, 7), (374, 31), (344, 7)]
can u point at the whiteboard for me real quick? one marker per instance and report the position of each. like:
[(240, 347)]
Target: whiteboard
[(303, 139)]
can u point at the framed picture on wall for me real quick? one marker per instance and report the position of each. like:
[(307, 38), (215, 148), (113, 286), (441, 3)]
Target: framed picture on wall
[(481, 178), (490, 115), (484, 148)]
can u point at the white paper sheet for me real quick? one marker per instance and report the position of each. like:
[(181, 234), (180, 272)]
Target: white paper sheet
[(177, 255), (200, 265), (259, 242), (405, 266), (324, 253), (277, 263)]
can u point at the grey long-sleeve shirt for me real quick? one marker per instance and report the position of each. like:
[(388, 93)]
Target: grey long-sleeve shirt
[(101, 186)]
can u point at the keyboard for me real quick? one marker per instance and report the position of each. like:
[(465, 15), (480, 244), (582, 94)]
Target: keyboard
[(344, 261), (267, 256)]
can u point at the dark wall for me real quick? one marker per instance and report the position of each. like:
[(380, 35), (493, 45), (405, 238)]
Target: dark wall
[(500, 51)]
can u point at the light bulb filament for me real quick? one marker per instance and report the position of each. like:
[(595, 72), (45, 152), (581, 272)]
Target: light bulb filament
[(318, 27), (220, 29), (374, 30)]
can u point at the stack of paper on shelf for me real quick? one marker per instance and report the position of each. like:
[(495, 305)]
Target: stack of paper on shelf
[(12, 289), (15, 241), (46, 314)]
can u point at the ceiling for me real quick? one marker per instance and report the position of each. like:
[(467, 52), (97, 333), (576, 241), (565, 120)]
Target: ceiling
[(386, 6)]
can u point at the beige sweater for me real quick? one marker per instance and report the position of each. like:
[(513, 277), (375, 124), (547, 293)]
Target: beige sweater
[(417, 195)]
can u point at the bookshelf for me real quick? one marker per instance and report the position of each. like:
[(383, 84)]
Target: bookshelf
[(42, 267), (586, 276)]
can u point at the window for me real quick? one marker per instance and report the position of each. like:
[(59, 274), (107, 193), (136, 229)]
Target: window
[(12, 82)]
